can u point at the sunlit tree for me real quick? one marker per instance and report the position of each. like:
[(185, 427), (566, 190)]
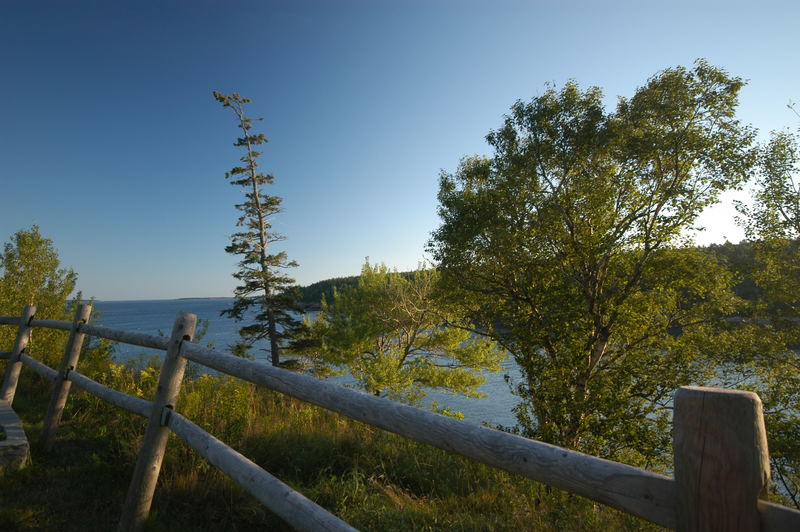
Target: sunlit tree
[(397, 339), (772, 227), (31, 274), (569, 237), (265, 289)]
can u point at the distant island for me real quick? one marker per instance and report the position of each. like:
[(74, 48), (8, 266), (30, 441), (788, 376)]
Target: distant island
[(186, 298)]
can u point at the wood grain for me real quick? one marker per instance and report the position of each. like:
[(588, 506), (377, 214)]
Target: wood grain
[(148, 464), (14, 366), (778, 518), (42, 370), (721, 459), (125, 337), (52, 324), (58, 399)]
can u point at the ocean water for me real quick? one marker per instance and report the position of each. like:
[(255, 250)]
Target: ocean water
[(156, 316)]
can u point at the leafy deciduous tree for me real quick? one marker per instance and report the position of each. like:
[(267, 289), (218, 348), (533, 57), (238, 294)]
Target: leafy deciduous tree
[(31, 274), (391, 333), (570, 238), (772, 226), (772, 223)]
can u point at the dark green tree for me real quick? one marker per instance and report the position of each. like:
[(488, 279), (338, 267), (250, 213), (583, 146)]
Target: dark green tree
[(265, 289), (567, 247)]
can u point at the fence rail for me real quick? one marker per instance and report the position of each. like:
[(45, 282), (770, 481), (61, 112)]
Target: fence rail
[(716, 487)]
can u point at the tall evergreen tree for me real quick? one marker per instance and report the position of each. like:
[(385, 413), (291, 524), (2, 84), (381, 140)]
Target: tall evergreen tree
[(264, 288)]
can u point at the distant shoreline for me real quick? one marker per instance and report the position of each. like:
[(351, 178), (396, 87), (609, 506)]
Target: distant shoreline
[(165, 299), (303, 305), (185, 298)]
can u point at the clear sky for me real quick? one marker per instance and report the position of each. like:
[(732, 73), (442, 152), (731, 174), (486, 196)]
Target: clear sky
[(111, 141)]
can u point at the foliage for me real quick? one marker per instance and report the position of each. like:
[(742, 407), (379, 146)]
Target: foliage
[(570, 239), (740, 259), (776, 213), (31, 274), (372, 479), (772, 226), (391, 333), (314, 293), (265, 288)]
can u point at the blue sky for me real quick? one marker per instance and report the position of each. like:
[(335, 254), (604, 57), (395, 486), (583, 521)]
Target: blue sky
[(111, 141)]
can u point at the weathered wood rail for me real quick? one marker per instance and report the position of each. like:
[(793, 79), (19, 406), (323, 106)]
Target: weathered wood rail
[(720, 446)]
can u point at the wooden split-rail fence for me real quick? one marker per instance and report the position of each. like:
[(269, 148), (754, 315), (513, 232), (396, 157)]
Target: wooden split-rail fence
[(721, 462)]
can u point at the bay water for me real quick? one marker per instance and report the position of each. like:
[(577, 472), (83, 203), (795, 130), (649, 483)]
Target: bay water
[(156, 316)]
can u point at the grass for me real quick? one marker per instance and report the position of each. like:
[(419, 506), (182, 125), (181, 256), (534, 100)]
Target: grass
[(372, 479)]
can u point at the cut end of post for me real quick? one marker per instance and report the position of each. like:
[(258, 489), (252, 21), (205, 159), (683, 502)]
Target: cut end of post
[(721, 458), (700, 391), (186, 322)]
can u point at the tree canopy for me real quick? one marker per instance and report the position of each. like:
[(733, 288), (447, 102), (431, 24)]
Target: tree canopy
[(772, 223), (393, 335), (32, 275), (567, 246), (772, 226)]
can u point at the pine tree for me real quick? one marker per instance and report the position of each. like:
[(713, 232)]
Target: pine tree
[(264, 287)]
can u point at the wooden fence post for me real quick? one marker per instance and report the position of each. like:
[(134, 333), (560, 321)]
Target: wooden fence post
[(721, 459), (68, 363), (148, 464), (14, 365)]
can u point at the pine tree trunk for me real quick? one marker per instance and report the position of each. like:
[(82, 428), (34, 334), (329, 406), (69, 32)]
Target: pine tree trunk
[(273, 338)]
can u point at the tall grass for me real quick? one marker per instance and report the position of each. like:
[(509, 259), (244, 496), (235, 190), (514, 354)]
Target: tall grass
[(370, 478)]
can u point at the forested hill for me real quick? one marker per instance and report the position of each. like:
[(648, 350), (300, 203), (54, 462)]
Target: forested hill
[(737, 257), (311, 295)]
